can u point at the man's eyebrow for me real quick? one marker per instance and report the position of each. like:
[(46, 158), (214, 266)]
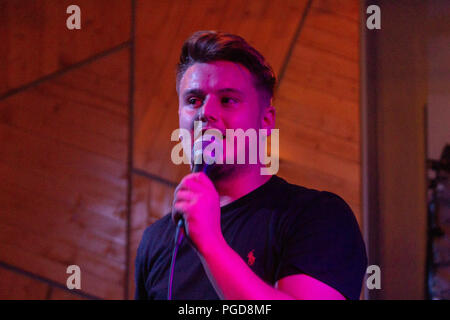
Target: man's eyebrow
[(194, 92), (231, 90), (199, 92)]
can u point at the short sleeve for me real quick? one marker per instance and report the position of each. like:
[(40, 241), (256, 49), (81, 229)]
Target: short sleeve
[(324, 242)]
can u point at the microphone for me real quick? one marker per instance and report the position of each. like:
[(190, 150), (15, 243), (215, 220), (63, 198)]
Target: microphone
[(178, 217), (198, 166)]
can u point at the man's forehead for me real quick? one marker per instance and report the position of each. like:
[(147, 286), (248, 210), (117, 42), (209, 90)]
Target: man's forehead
[(218, 75)]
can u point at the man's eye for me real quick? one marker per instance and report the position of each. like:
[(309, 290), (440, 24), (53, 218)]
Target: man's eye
[(229, 100), (194, 101)]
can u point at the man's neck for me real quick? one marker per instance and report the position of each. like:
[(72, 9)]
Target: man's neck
[(239, 183)]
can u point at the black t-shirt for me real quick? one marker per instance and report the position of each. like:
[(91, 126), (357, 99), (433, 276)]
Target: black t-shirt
[(278, 229)]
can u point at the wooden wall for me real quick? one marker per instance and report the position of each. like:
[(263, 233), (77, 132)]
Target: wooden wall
[(64, 114), (86, 116)]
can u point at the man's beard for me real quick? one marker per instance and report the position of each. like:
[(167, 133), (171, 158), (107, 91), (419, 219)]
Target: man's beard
[(222, 171), (217, 171)]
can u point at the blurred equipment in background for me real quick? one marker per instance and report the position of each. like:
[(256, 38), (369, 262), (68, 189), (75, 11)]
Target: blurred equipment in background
[(438, 249)]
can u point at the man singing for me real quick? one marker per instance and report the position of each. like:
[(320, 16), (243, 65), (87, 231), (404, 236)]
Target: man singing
[(251, 236)]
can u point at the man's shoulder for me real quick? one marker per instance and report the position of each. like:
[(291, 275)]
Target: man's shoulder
[(295, 194), (304, 198)]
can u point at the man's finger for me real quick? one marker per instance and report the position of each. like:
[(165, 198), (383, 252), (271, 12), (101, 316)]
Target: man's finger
[(183, 194), (179, 208)]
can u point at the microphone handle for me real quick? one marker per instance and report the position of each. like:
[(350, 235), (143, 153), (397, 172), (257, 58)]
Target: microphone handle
[(199, 167), (179, 219)]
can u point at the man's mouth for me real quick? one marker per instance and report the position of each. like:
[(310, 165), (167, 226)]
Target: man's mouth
[(215, 130), (202, 142)]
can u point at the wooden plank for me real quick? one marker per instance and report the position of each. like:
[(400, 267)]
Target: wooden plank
[(332, 22), (36, 41), (343, 88), (85, 194), (58, 109), (67, 230), (308, 59), (329, 42), (62, 252), (346, 8), (318, 103), (16, 286), (57, 271), (321, 85), (52, 156), (73, 224), (330, 166), (56, 238), (317, 140), (86, 108), (313, 108), (63, 163)]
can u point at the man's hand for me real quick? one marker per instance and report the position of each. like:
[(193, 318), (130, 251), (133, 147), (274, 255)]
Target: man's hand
[(198, 200)]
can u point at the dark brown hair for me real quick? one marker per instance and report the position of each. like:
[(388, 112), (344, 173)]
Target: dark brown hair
[(208, 46)]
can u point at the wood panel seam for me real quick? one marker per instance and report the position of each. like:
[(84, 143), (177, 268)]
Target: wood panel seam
[(154, 177), (51, 283), (131, 88), (63, 71), (293, 43)]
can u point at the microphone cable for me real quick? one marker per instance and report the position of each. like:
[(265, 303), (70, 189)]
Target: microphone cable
[(179, 236)]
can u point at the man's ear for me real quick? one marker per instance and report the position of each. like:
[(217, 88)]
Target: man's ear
[(268, 118)]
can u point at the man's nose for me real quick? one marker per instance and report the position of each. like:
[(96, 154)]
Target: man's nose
[(209, 110)]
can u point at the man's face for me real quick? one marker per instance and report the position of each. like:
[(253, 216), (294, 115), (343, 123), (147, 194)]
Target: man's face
[(223, 96)]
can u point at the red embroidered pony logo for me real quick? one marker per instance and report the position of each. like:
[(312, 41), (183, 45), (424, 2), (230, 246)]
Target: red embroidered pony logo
[(251, 258)]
